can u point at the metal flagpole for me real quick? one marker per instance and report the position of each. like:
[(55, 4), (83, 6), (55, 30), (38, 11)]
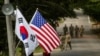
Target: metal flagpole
[(9, 33)]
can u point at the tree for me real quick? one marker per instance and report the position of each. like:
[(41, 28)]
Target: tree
[(3, 33), (90, 7), (50, 9), (93, 9)]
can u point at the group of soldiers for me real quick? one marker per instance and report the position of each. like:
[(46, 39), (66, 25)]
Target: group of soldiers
[(75, 32), (69, 33)]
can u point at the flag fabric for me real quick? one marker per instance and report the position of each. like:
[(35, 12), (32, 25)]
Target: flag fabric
[(46, 35), (24, 33)]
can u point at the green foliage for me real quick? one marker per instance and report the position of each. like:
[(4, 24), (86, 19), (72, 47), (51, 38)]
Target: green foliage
[(92, 9), (38, 50), (95, 0), (1, 1), (50, 9), (3, 33)]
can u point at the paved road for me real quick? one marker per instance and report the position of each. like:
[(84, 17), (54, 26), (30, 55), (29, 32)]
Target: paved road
[(89, 45), (81, 47)]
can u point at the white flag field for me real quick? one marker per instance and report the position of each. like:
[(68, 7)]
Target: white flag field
[(24, 33)]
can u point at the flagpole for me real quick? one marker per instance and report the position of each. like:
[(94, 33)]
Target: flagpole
[(9, 33)]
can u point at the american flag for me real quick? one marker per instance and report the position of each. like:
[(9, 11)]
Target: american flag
[(46, 35)]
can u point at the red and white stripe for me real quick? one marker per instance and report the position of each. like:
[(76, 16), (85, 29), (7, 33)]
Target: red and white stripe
[(47, 37)]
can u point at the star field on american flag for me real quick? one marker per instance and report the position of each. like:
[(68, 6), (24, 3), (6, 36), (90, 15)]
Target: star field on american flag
[(39, 22)]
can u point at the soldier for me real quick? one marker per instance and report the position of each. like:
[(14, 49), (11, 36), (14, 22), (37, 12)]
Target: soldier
[(71, 30), (76, 31), (65, 29), (81, 31), (67, 41)]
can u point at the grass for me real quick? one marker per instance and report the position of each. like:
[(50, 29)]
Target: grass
[(18, 52), (37, 50)]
